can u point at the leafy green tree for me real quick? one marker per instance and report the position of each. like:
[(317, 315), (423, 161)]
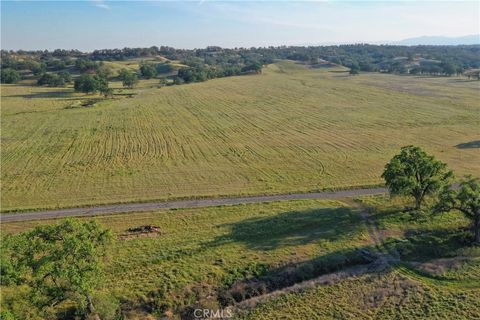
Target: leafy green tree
[(255, 67), (106, 91), (448, 68), (9, 75), (397, 67), (85, 65), (367, 66), (103, 71), (148, 70), (56, 64), (6, 315), (92, 83), (354, 69), (51, 79), (415, 70), (128, 77), (59, 263), (102, 86), (187, 75), (465, 199), (66, 76), (85, 83), (12, 270), (165, 67), (415, 173), (38, 68)]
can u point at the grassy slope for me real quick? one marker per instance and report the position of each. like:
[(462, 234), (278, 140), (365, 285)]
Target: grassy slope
[(202, 250), (439, 277), (385, 296), (289, 129), (215, 247)]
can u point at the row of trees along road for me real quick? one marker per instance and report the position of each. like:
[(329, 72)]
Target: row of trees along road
[(63, 262)]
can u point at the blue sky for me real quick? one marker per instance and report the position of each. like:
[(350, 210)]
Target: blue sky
[(88, 25)]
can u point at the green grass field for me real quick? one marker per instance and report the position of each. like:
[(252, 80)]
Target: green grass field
[(437, 276), (385, 296), (201, 254), (289, 129), (200, 250)]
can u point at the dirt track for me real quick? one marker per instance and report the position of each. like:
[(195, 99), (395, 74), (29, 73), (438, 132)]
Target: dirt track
[(179, 204)]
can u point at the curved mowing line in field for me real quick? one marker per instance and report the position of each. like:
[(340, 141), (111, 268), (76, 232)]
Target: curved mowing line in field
[(238, 135)]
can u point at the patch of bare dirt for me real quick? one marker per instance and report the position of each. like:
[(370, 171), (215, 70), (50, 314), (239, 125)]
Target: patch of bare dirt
[(396, 289), (440, 266)]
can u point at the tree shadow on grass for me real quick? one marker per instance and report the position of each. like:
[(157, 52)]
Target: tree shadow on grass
[(287, 229), (378, 215), (418, 240), (293, 228), (60, 94), (427, 244), (265, 233), (338, 71), (469, 145), (418, 245), (462, 80), (294, 273)]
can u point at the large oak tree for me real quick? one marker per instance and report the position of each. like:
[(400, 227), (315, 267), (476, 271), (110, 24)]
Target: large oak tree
[(414, 173)]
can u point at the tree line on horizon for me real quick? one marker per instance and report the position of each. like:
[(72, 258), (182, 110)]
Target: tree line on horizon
[(52, 67)]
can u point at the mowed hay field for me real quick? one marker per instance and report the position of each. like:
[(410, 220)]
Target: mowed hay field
[(292, 128)]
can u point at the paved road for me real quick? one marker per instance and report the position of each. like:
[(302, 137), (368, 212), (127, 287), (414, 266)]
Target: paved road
[(150, 206)]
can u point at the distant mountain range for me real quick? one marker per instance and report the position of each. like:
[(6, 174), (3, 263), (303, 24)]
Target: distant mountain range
[(423, 40), (439, 40)]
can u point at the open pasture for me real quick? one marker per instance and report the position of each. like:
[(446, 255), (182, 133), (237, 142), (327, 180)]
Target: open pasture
[(435, 277), (198, 251), (207, 257), (292, 128)]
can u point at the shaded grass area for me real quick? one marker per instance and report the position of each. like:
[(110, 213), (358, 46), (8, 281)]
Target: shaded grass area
[(469, 145), (391, 295), (419, 236), (201, 252), (290, 129), (436, 276), (218, 257)]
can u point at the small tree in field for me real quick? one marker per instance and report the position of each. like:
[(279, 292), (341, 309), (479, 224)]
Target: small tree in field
[(9, 75), (128, 77), (148, 70), (58, 262), (415, 173), (354, 69), (465, 199), (92, 83), (86, 83)]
